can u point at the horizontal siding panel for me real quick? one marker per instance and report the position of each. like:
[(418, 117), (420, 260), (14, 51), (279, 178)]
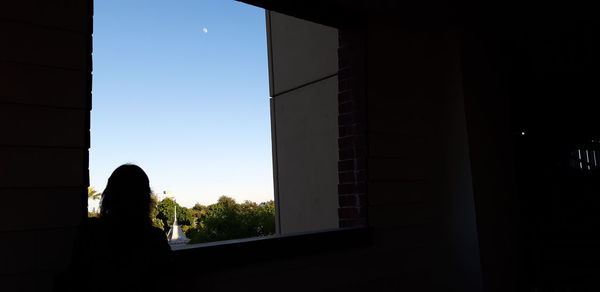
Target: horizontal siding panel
[(42, 167), (301, 52), (40, 126), (307, 156), (68, 14), (45, 208), (32, 84), (43, 46), (31, 251)]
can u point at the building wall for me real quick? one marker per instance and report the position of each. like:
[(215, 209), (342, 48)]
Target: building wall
[(420, 145), (44, 120), (303, 86), (419, 187), (419, 169)]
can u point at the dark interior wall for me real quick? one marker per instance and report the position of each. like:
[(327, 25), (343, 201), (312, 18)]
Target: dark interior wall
[(420, 194), (530, 102), (46, 87), (419, 163), (420, 204), (437, 168), (45, 73), (492, 159)]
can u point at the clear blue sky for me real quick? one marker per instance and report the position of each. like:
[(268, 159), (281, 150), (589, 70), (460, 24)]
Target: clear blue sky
[(180, 88)]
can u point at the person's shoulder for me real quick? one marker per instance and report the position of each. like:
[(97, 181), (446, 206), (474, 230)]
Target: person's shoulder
[(93, 221), (89, 225), (159, 239), (156, 230)]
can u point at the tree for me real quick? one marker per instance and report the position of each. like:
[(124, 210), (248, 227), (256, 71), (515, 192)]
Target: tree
[(154, 212), (229, 220), (166, 213), (92, 194), (198, 212)]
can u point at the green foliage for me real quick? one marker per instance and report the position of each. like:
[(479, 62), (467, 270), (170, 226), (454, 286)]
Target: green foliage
[(158, 223), (223, 220), (198, 212), (153, 206), (92, 194), (166, 213), (229, 220), (154, 212)]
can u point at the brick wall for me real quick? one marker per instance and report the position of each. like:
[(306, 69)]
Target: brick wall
[(352, 141)]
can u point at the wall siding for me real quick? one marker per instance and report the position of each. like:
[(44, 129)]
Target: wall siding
[(45, 94)]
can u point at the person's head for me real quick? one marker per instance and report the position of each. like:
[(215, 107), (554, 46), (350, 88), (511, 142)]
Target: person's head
[(127, 195)]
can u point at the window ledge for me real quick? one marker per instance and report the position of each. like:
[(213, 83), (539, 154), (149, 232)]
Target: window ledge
[(251, 250)]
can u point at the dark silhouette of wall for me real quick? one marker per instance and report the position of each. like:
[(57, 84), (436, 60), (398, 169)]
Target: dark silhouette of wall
[(45, 73), (452, 195)]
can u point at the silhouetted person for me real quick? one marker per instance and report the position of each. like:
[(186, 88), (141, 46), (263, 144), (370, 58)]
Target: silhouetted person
[(121, 250)]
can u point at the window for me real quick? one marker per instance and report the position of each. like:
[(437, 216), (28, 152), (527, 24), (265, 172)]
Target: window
[(181, 89), (586, 157)]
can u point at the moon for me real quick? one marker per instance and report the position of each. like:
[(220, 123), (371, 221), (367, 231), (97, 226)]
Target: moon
[(205, 30)]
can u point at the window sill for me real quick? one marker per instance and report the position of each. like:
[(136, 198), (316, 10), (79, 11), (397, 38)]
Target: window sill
[(252, 250)]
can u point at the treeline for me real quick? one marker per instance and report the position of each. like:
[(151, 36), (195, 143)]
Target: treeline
[(226, 219)]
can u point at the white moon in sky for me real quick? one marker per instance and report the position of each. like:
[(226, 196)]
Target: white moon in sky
[(205, 30)]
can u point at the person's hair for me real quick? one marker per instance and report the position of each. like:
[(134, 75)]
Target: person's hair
[(127, 195)]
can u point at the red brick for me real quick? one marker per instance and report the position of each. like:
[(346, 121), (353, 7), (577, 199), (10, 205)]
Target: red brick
[(360, 188), (344, 62), (346, 107), (346, 153), (352, 141), (344, 96), (346, 130), (362, 200), (346, 201), (346, 189), (353, 223), (349, 212), (346, 141), (344, 84), (346, 177), (361, 175), (345, 119), (361, 163), (345, 165), (346, 73)]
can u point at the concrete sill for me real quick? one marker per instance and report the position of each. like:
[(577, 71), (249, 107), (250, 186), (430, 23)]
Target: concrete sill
[(226, 254)]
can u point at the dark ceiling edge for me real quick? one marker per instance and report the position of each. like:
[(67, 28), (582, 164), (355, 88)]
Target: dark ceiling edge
[(335, 13)]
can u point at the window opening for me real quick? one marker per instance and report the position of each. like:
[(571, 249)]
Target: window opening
[(180, 88), (585, 157)]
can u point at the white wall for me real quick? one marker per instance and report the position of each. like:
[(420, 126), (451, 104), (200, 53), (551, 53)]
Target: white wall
[(303, 83)]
